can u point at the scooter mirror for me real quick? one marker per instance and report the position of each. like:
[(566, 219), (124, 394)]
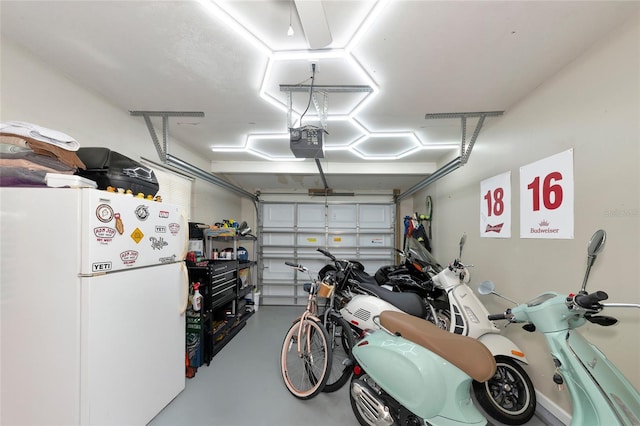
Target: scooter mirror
[(596, 243), (486, 287)]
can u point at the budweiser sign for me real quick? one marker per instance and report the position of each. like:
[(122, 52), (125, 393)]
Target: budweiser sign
[(494, 228)]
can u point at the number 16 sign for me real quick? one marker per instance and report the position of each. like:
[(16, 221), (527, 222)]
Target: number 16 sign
[(546, 197)]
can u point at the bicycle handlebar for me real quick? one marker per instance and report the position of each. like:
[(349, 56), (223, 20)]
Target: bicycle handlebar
[(296, 266)]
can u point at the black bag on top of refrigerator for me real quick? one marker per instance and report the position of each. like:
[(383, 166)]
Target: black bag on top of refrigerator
[(110, 168)]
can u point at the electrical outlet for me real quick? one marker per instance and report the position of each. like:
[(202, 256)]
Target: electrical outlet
[(317, 67)]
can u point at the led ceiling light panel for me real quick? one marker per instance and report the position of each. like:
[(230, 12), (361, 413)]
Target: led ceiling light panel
[(383, 145), (272, 147), (337, 62), (387, 145)]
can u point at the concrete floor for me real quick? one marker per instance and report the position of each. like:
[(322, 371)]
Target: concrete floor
[(243, 385)]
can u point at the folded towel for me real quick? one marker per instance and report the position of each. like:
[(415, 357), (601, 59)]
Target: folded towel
[(70, 158), (40, 133)]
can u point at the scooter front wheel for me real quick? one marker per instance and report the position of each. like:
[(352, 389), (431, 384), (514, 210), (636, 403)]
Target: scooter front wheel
[(509, 396)]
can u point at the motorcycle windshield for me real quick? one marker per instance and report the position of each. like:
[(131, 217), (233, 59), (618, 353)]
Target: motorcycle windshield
[(416, 252)]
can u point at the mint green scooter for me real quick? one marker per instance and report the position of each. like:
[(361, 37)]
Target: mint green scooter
[(410, 371), (600, 394)]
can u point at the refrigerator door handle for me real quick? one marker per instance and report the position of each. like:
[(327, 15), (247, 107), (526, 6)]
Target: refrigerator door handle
[(185, 285)]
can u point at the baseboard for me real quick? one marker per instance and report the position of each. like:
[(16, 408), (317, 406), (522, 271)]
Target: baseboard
[(550, 412)]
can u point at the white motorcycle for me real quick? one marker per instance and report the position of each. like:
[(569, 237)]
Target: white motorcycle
[(509, 396)]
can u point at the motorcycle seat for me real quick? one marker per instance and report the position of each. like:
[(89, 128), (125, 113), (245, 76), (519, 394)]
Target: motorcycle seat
[(363, 277), (466, 353), (410, 303)]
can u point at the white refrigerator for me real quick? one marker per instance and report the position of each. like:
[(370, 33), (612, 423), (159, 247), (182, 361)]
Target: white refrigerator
[(94, 290)]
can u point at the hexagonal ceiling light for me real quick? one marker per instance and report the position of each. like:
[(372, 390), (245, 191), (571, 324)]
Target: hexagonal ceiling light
[(405, 142)]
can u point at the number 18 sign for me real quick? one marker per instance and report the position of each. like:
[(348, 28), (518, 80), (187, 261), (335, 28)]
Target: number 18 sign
[(546, 197), (495, 206)]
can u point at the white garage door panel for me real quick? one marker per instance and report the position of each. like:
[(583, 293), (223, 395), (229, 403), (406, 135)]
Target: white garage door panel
[(375, 216), (314, 266), (310, 216), (275, 269), (277, 240), (375, 240), (278, 216), (342, 241), (310, 253), (342, 216), (309, 239)]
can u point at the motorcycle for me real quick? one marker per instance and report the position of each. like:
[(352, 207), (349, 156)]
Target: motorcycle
[(409, 372), (357, 289), (509, 395), (600, 394)]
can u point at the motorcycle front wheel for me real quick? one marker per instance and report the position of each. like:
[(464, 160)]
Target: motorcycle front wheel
[(509, 396)]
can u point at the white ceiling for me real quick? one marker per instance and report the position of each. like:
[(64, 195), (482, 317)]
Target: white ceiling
[(420, 57)]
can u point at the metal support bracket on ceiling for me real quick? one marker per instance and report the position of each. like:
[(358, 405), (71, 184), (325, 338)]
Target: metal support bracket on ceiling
[(465, 149), (163, 149), (168, 159), (322, 108)]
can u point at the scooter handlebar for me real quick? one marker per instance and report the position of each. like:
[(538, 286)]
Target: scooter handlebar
[(589, 300), (503, 316)]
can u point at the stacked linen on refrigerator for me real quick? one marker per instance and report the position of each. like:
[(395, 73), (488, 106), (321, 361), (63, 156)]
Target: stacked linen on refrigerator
[(28, 152)]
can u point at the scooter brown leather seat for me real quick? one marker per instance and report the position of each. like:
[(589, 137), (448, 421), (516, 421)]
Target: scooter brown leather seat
[(466, 353)]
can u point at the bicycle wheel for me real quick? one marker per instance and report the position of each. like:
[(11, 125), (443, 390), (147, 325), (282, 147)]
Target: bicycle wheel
[(342, 340), (306, 373)]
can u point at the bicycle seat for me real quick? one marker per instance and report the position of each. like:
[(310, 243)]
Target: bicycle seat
[(466, 353)]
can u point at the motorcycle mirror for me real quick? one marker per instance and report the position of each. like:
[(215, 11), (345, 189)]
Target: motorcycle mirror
[(486, 287), (463, 240), (596, 244)]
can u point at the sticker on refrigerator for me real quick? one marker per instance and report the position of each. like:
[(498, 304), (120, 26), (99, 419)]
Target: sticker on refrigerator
[(158, 243), (101, 267), (129, 257), (119, 224), (174, 228), (104, 234), (164, 214), (169, 259), (161, 229), (137, 235), (104, 212), (142, 212)]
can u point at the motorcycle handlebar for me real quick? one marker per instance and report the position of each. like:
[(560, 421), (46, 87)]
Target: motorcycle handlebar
[(326, 253), (588, 300)]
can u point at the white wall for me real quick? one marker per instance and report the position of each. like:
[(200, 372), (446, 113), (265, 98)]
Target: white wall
[(592, 106), (35, 93)]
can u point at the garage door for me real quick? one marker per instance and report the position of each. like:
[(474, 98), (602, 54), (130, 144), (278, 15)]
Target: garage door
[(293, 232)]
